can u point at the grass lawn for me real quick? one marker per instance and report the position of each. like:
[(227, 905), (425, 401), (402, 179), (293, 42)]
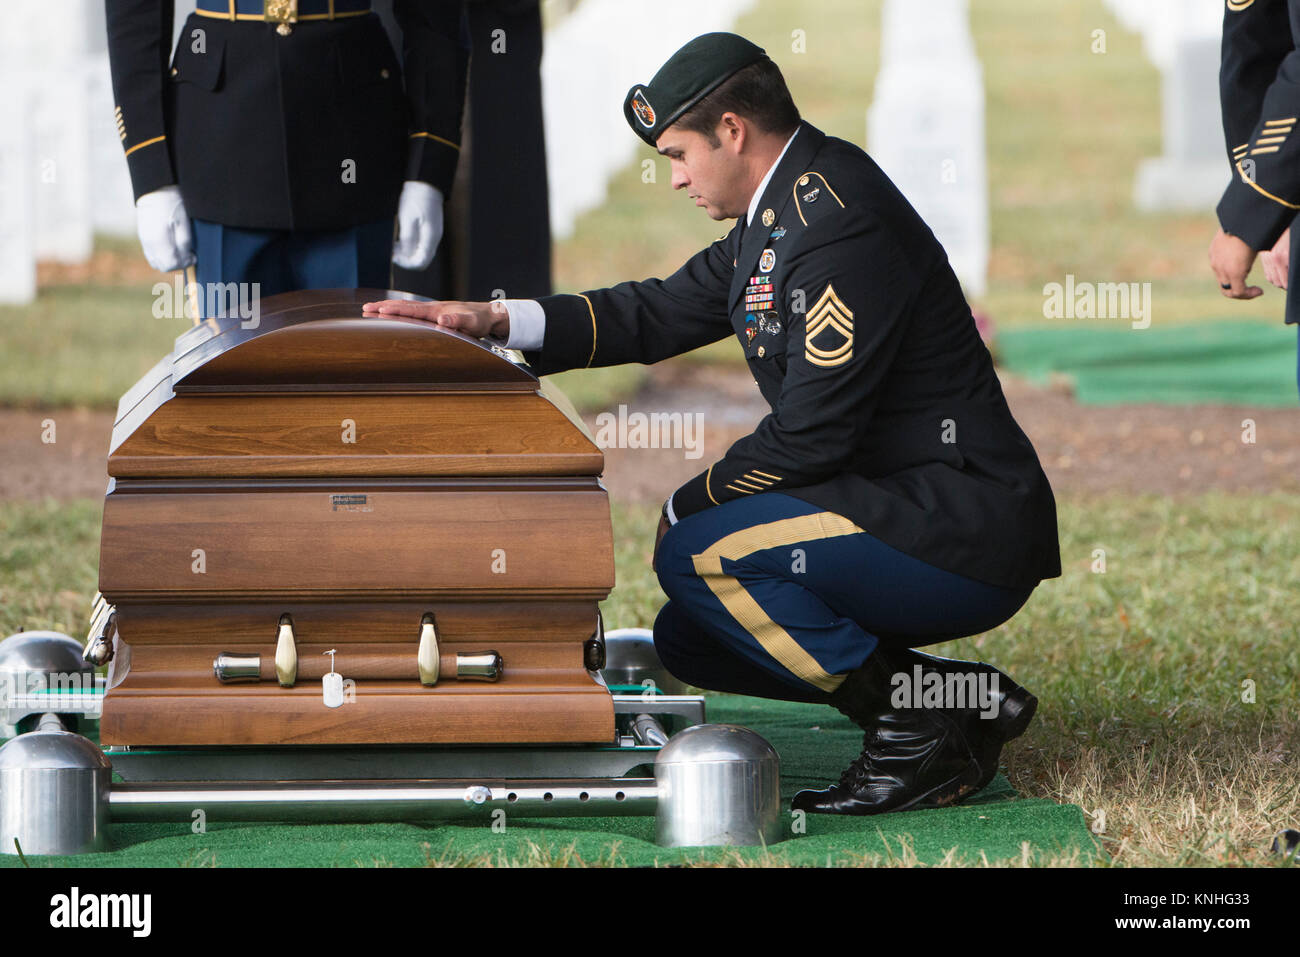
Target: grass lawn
[(1141, 670)]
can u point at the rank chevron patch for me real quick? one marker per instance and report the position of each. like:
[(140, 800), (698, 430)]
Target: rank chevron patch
[(829, 315)]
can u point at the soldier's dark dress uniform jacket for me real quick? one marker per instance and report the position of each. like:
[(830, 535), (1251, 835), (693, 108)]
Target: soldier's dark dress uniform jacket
[(255, 121), (885, 405), (1259, 92)]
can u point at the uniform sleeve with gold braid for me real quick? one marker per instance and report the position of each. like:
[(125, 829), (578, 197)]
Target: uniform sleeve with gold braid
[(838, 350), (1259, 88), (139, 45), (641, 321), (434, 65)]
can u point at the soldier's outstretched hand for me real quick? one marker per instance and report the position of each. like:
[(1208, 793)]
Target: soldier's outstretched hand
[(477, 319)]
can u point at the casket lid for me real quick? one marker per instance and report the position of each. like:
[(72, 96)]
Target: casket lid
[(313, 339), (265, 396)]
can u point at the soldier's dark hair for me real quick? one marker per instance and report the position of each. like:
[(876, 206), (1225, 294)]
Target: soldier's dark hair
[(757, 92)]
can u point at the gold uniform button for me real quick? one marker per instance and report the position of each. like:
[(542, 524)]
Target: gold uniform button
[(761, 351), (174, 71), (384, 73), (804, 181)]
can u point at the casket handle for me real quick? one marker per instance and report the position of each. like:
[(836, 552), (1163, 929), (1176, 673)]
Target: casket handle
[(426, 658), (286, 653)]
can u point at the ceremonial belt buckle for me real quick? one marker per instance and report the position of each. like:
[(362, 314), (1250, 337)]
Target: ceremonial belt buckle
[(283, 13)]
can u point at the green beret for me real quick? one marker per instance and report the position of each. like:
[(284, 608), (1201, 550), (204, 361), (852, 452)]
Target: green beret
[(690, 74)]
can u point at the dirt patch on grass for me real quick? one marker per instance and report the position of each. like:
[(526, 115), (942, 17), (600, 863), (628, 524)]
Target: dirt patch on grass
[(72, 466), (1168, 450), (124, 266)]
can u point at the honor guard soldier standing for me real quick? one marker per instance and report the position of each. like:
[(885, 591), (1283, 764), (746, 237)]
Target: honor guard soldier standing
[(889, 500), (498, 237), (1259, 93), (282, 127)]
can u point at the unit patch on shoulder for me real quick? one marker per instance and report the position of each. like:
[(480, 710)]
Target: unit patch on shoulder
[(828, 340)]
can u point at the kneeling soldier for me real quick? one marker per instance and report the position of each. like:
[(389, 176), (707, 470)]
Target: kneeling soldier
[(889, 500)]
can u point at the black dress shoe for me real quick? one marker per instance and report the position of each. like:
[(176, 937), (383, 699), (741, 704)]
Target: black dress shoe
[(911, 757), (986, 733), (910, 761)]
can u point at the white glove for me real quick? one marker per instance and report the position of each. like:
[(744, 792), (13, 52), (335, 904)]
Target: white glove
[(419, 225), (165, 229)]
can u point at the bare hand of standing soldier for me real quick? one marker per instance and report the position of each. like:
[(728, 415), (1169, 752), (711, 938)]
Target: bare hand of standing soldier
[(1231, 259), (1277, 261), (477, 319)]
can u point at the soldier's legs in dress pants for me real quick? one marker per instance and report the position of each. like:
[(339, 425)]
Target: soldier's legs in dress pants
[(358, 257), (772, 596), (692, 654), (280, 260), (226, 254)]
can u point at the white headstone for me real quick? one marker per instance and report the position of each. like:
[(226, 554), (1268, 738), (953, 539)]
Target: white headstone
[(1165, 24), (590, 60), (1193, 171), (44, 54), (61, 173), (921, 31), (925, 128)]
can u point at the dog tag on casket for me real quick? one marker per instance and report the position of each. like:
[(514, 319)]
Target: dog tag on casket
[(333, 689)]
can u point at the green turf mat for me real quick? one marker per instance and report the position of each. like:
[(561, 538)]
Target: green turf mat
[(814, 742), (1235, 362)]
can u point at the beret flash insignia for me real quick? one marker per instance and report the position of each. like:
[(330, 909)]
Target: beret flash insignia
[(645, 113)]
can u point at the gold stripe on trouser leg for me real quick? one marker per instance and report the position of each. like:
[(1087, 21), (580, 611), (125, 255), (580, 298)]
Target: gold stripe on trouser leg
[(774, 639)]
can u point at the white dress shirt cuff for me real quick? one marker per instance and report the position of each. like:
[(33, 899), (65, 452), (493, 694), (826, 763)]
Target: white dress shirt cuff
[(527, 324)]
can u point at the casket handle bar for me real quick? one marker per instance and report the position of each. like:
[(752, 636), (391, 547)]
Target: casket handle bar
[(230, 666), (234, 666), (479, 666)]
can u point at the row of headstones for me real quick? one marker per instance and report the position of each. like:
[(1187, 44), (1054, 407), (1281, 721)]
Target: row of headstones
[(62, 175), (926, 124)]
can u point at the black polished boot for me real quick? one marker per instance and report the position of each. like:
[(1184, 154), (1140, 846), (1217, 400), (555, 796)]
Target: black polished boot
[(985, 732), (911, 757)]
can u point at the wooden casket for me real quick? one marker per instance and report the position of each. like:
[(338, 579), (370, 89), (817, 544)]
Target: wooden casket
[(379, 487)]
